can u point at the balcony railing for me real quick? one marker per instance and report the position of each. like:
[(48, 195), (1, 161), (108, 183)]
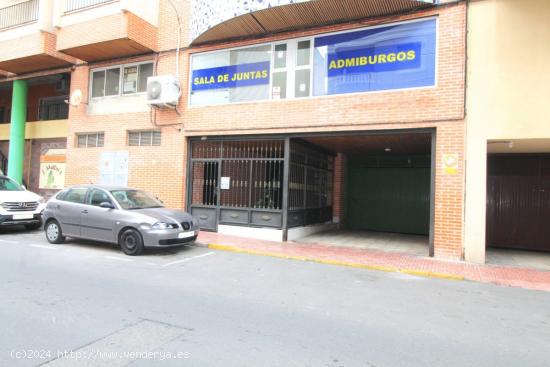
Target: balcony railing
[(19, 14), (74, 5)]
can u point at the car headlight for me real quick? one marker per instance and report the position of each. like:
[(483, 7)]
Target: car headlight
[(164, 225)]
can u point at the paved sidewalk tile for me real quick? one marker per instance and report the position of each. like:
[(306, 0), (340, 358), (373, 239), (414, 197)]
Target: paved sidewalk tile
[(379, 260)]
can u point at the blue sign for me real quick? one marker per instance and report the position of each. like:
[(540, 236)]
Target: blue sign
[(232, 76), (393, 57)]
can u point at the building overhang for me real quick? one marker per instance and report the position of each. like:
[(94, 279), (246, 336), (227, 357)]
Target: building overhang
[(31, 53), (127, 35), (303, 15)]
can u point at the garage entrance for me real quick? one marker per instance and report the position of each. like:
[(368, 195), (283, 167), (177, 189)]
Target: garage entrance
[(387, 191), (518, 202)]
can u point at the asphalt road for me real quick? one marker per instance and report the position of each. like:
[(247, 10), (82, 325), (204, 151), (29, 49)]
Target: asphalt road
[(86, 304)]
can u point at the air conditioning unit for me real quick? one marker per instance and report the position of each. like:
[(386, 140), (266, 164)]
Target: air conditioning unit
[(163, 91)]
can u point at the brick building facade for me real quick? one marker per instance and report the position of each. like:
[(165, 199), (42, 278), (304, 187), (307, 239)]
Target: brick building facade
[(410, 124)]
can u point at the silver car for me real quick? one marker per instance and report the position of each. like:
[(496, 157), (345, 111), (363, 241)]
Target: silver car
[(131, 218)]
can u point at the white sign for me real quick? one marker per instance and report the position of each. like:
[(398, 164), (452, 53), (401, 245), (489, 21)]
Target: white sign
[(113, 168), (225, 183), (276, 92)]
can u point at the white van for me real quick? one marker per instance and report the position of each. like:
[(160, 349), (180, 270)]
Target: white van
[(19, 206)]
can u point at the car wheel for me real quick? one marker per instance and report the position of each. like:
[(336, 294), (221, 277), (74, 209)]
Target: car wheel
[(53, 232), (131, 242)]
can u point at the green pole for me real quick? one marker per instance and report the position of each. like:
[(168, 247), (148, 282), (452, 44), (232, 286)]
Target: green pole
[(16, 156)]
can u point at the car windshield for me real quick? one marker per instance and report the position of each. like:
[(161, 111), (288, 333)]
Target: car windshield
[(7, 184), (135, 199)]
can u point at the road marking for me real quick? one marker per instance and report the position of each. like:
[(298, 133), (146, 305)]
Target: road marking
[(152, 264), (9, 241), (118, 258), (45, 246), (187, 259)]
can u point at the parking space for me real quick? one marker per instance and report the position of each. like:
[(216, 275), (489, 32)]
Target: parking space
[(76, 250)]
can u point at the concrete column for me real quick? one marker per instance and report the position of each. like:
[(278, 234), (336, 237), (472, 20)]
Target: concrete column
[(476, 198), (16, 158)]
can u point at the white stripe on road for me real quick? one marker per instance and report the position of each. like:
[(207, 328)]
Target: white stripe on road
[(9, 241), (118, 258), (45, 246), (188, 259)]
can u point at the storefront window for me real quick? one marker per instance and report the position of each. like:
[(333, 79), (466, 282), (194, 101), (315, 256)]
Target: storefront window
[(395, 56), (231, 76)]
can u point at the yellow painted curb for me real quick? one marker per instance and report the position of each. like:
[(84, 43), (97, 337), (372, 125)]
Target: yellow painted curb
[(420, 273)]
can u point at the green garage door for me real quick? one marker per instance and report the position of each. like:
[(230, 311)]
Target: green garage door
[(389, 194)]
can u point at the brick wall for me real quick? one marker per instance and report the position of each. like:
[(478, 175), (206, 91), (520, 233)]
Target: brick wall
[(158, 169), (162, 169)]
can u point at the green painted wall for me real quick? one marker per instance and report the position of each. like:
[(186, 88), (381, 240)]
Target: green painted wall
[(16, 158), (389, 195)]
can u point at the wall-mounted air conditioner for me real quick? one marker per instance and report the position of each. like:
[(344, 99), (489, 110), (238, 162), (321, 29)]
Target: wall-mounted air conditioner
[(163, 91)]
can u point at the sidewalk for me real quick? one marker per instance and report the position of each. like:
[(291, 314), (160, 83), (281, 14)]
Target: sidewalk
[(383, 261)]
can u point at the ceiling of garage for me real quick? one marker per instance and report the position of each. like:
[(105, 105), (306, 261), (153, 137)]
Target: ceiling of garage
[(412, 143)]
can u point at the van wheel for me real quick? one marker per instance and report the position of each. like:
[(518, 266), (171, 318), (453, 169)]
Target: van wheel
[(53, 232), (131, 242)]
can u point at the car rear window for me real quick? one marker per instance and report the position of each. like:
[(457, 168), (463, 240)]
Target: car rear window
[(76, 195)]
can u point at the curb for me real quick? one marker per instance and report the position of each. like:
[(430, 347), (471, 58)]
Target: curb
[(420, 273)]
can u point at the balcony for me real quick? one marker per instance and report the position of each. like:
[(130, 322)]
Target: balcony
[(94, 30), (75, 5), (27, 38), (18, 14)]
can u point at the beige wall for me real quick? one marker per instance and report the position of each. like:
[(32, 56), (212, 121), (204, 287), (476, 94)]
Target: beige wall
[(508, 92)]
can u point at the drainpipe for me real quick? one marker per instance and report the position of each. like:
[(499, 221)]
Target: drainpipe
[(17, 130)]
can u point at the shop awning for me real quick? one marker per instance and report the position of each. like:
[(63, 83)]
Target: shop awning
[(305, 15)]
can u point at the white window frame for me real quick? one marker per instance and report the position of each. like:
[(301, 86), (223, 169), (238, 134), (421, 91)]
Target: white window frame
[(291, 67), (140, 132), (312, 54), (87, 135), (120, 79)]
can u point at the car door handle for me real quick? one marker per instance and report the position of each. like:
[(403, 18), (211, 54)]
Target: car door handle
[(84, 211)]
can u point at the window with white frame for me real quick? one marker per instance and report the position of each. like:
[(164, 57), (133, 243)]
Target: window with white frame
[(90, 140), (395, 56), (269, 71), (144, 138), (291, 70), (120, 80)]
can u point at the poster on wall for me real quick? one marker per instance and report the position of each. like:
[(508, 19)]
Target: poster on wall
[(52, 170), (396, 56), (113, 168)]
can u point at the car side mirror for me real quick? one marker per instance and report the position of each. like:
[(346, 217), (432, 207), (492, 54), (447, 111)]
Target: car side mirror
[(106, 205)]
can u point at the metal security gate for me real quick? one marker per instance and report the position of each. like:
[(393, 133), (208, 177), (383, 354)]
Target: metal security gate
[(310, 186), (518, 202), (237, 183), (243, 183)]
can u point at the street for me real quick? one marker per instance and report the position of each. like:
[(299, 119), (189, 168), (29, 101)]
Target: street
[(84, 303)]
